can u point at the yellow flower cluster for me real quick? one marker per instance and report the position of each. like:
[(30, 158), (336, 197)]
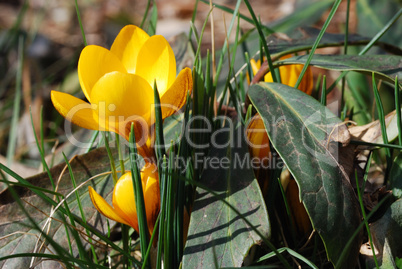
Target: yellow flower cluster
[(118, 84)]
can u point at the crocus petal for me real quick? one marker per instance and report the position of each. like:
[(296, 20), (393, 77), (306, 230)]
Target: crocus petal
[(124, 200), (175, 97), (74, 110), (307, 83), (258, 138), (150, 185), (255, 66), (123, 196), (156, 62), (103, 207), (127, 45), (95, 62), (298, 211), (122, 98)]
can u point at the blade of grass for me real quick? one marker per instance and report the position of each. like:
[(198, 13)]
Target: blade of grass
[(324, 91), (398, 111), (139, 195), (181, 192), (92, 140), (121, 158), (161, 235), (370, 44), (365, 220), (145, 13), (346, 248), (223, 52), (169, 252), (7, 42), (265, 45), (242, 16), (62, 253), (345, 49), (159, 141), (77, 196), (154, 233), (317, 41), (190, 33), (63, 211), (77, 10), (288, 213), (111, 159), (12, 142), (381, 118), (291, 252), (41, 153)]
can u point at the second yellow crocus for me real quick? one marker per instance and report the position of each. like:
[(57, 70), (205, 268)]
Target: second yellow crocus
[(124, 208)]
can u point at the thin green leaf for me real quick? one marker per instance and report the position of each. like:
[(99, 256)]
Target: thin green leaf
[(138, 195)]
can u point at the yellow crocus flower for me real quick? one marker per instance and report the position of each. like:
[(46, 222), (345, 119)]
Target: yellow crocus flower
[(124, 208), (289, 75), (118, 84)]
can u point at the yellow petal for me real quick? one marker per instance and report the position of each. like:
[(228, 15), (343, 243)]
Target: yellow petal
[(156, 61), (104, 208), (74, 110), (127, 45), (150, 185), (124, 200), (258, 138), (122, 98), (299, 213), (175, 97), (290, 74), (123, 196), (95, 62), (255, 66), (307, 83)]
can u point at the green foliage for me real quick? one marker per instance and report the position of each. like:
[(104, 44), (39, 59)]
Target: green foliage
[(215, 210)]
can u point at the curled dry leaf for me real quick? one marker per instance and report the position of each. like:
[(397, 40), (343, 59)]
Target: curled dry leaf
[(372, 132)]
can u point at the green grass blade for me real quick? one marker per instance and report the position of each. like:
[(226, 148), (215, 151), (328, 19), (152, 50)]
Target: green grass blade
[(242, 16), (92, 140), (121, 157), (17, 101), (161, 235), (42, 155), (291, 252), (347, 247), (77, 196), (359, 195), (398, 111), (370, 44), (262, 39), (324, 91), (159, 141), (77, 10), (139, 195), (223, 52), (111, 159), (381, 118), (145, 13), (345, 48), (317, 41), (154, 233)]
